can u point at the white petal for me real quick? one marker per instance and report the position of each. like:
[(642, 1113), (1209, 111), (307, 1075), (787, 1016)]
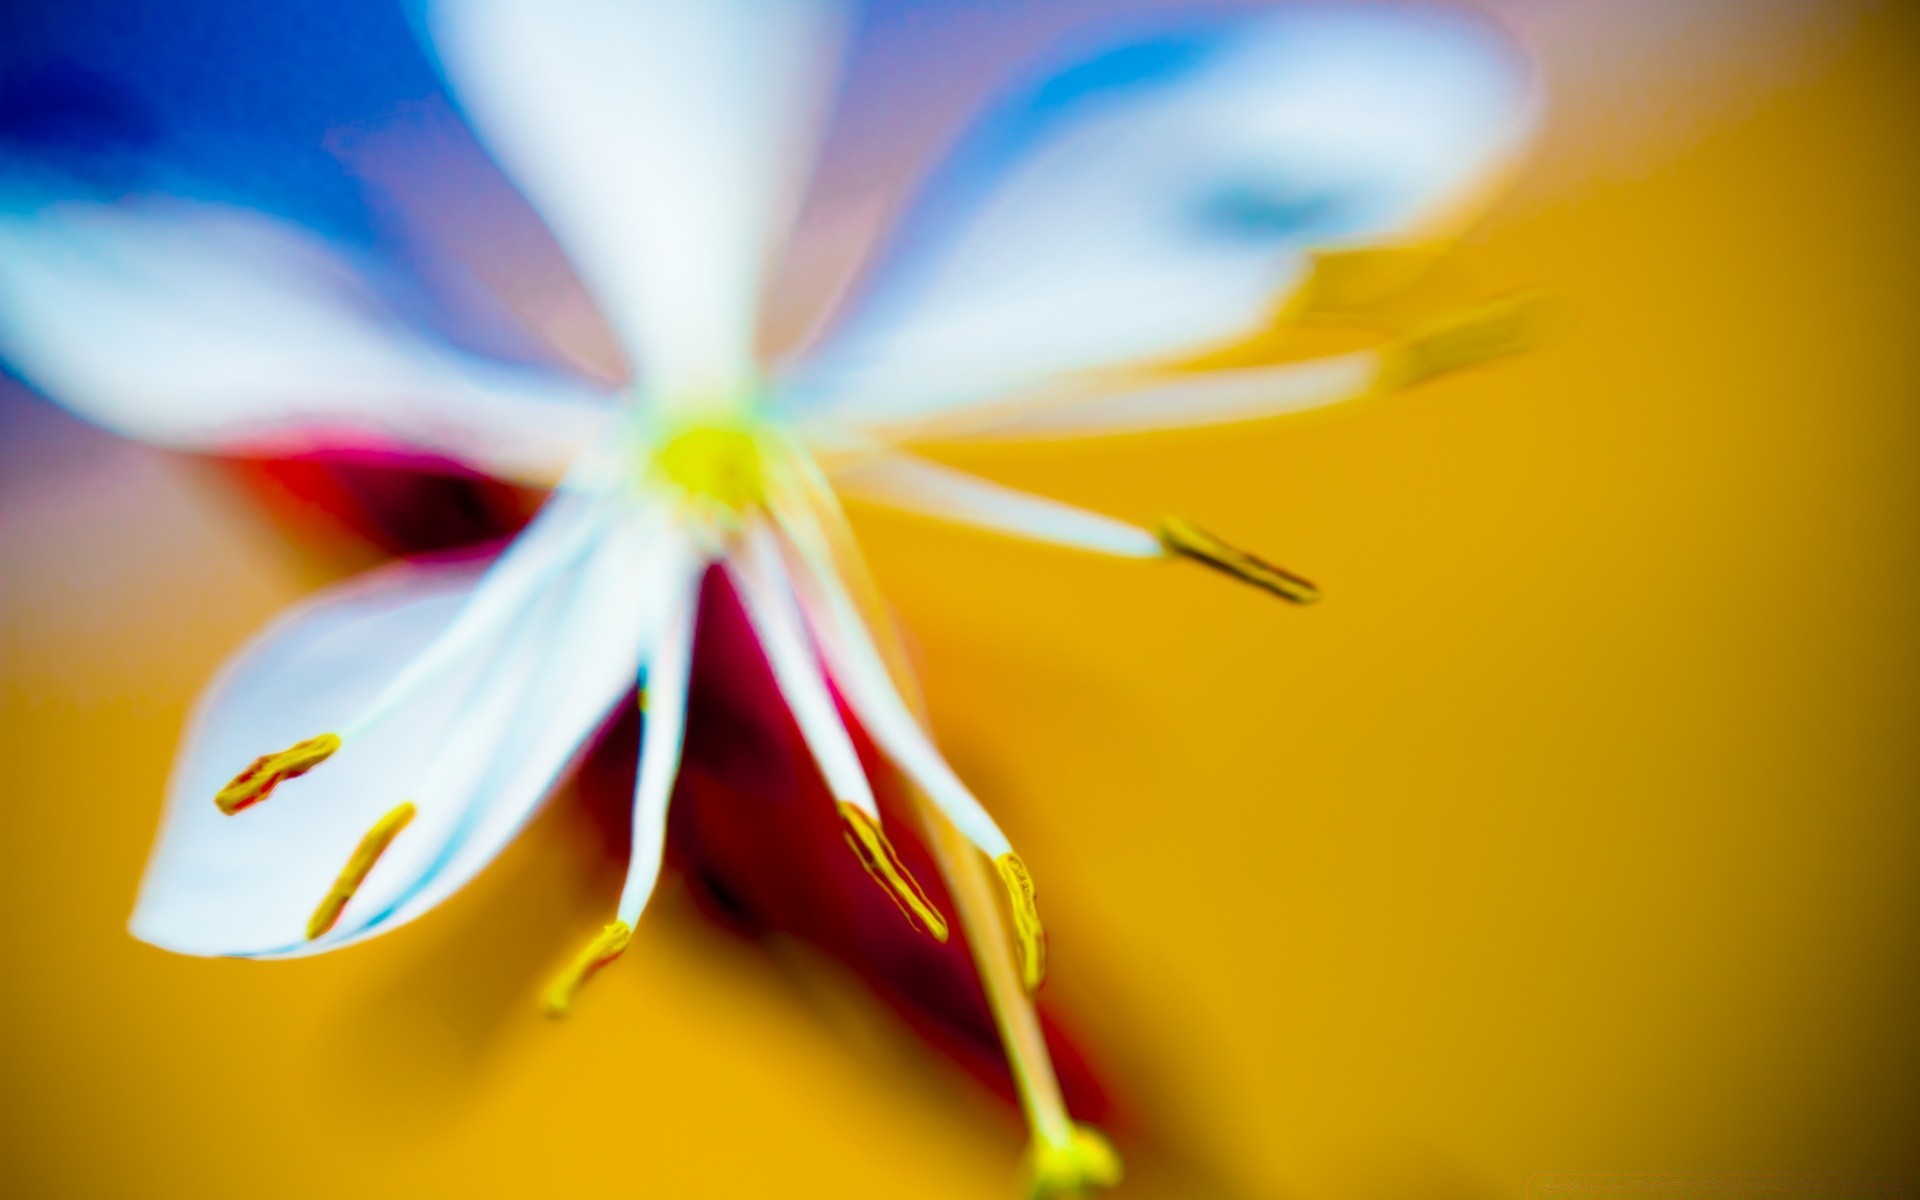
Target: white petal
[(665, 144), (856, 664), (587, 662), (1157, 199), (1174, 402), (475, 746), (669, 668), (768, 598), (213, 328), (562, 529), (916, 485)]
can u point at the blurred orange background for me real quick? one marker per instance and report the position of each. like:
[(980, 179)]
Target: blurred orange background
[(1576, 830)]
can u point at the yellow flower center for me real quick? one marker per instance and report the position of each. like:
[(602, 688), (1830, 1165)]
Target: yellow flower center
[(724, 465)]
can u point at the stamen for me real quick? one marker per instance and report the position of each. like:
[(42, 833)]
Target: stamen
[(1085, 1159), (1351, 281), (877, 855), (1026, 919), (609, 945), (269, 771), (825, 542), (1187, 540), (1465, 339), (367, 853)]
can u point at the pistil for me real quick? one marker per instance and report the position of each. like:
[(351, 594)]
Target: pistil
[(1066, 1157)]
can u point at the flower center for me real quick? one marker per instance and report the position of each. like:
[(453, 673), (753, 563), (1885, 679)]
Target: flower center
[(724, 465)]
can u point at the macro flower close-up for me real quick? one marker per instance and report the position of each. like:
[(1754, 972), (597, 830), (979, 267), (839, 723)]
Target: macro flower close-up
[(572, 347)]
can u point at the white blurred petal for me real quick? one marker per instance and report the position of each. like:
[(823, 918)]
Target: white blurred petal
[(476, 746), (562, 529), (1173, 402), (768, 597), (587, 663), (213, 328), (665, 144), (1158, 199), (669, 669), (916, 485), (855, 664)]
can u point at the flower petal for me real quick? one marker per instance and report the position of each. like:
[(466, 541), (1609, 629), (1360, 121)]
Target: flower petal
[(669, 670), (1183, 401), (858, 668), (585, 663), (1159, 198), (475, 747), (761, 582), (1123, 402), (665, 144), (916, 485), (213, 328)]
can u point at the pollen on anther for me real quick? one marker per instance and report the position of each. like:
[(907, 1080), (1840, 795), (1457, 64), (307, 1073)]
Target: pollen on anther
[(883, 863), (1467, 338), (269, 771), (372, 845), (603, 949), (1026, 919), (1184, 539)]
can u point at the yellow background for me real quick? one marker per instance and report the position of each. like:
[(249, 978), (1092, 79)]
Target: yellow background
[(1574, 830)]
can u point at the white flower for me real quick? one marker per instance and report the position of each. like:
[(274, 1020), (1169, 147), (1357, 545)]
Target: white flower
[(1092, 237)]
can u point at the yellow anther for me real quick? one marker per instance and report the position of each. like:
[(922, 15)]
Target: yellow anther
[(1070, 1168), (372, 845), (1026, 919), (1353, 281), (1187, 540), (722, 465), (1466, 339), (269, 771), (877, 855), (609, 945)]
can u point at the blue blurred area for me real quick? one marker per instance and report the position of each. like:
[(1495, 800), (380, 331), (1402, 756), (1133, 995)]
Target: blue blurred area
[(291, 67), (245, 102), (1027, 116), (232, 99)]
